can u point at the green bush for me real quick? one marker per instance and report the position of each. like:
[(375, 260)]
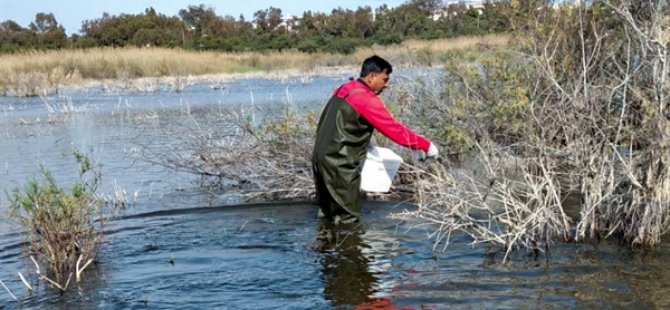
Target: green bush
[(308, 46), (388, 39), (59, 222), (344, 45)]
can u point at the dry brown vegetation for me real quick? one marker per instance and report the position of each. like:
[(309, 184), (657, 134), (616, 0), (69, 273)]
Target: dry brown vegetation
[(267, 161), (576, 109), (39, 73), (558, 117)]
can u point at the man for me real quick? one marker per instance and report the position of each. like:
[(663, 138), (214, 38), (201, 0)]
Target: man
[(343, 135)]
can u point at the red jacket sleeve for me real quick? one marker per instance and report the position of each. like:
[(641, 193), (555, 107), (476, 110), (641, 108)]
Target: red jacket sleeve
[(368, 105)]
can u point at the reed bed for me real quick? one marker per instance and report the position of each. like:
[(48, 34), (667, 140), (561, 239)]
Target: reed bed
[(43, 72)]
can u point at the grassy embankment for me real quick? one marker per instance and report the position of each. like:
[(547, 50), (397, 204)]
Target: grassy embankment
[(37, 73)]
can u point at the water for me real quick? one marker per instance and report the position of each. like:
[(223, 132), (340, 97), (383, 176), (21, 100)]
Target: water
[(177, 247)]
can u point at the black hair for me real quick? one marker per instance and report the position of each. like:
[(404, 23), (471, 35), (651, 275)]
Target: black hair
[(375, 64)]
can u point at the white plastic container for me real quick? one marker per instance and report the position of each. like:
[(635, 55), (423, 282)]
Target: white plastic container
[(379, 169)]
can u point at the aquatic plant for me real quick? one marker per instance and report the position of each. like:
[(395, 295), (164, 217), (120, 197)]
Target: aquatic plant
[(63, 226)]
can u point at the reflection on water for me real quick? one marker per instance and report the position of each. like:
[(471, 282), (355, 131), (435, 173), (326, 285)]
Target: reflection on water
[(346, 270), (357, 264)]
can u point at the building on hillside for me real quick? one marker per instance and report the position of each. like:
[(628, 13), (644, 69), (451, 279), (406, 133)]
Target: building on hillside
[(452, 7)]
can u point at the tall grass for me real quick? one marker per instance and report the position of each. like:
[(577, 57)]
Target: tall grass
[(40, 72)]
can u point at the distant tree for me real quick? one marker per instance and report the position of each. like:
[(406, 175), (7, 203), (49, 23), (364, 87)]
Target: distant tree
[(312, 24), (16, 37), (149, 28), (269, 21), (196, 18), (363, 23), (54, 38), (340, 31), (225, 27), (385, 23), (148, 37), (10, 26), (275, 18), (339, 22), (415, 17), (49, 33), (496, 15), (43, 23)]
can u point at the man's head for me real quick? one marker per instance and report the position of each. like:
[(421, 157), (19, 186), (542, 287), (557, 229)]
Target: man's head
[(375, 73)]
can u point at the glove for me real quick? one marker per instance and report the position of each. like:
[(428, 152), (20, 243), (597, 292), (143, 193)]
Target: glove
[(432, 151)]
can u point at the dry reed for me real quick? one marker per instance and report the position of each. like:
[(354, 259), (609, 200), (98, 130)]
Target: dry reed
[(43, 72)]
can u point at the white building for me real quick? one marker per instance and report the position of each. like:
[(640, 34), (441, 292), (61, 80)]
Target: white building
[(477, 4)]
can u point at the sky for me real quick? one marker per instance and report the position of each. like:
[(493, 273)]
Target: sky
[(71, 13)]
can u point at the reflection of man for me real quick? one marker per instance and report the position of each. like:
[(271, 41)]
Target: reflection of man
[(343, 135), (351, 266), (347, 278)]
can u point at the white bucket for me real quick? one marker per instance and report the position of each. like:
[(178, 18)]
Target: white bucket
[(379, 169)]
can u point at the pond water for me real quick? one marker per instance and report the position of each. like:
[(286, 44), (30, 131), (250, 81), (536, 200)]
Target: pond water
[(179, 247)]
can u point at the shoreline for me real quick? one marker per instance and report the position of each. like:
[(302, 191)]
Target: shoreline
[(177, 82), (46, 73)]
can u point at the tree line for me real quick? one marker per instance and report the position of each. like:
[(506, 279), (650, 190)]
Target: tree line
[(198, 27)]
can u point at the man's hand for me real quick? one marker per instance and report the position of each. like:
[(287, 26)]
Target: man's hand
[(432, 151)]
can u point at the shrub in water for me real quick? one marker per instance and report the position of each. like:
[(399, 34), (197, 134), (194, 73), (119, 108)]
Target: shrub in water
[(59, 222)]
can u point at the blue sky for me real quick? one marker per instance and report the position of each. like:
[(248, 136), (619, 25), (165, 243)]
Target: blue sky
[(70, 13)]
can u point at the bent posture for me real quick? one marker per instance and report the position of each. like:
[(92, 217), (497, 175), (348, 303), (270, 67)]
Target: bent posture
[(343, 135)]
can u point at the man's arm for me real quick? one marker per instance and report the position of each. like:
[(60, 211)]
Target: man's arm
[(374, 111)]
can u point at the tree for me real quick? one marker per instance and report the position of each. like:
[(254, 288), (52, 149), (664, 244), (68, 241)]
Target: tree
[(196, 18), (260, 18), (363, 24), (17, 37), (123, 30), (43, 23), (49, 33), (275, 18), (269, 20)]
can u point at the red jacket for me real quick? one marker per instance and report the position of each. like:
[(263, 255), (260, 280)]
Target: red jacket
[(371, 107)]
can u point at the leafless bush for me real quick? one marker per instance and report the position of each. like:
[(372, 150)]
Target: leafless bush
[(617, 124), (580, 107), (498, 200), (269, 161)]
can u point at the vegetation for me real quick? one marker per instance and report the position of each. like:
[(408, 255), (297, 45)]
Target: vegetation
[(199, 28), (255, 153), (578, 108), (59, 223), (574, 111), (42, 72), (575, 107)]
